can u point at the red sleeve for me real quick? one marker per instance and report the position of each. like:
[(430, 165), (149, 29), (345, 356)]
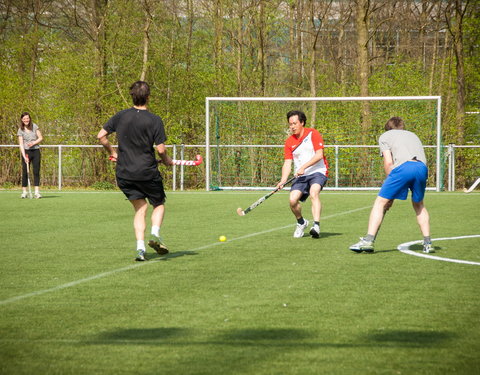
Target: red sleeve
[(317, 140), (287, 151)]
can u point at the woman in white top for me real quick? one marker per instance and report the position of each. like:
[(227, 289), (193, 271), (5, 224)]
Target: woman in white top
[(29, 138)]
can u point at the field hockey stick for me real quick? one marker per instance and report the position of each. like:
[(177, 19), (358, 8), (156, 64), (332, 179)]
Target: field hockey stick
[(262, 199), (198, 160), (28, 179), (265, 197)]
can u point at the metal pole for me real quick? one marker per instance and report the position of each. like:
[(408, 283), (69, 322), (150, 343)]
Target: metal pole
[(174, 182), (182, 156), (453, 167), (207, 144), (59, 167), (439, 142), (336, 166), (449, 163)]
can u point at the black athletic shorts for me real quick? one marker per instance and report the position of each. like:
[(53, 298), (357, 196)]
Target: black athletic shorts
[(150, 189), (304, 183)]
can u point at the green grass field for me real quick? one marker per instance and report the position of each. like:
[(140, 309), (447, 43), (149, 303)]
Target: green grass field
[(73, 301)]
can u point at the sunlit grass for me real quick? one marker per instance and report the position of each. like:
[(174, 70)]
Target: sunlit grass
[(73, 301)]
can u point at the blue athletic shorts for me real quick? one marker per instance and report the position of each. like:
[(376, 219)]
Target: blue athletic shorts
[(151, 189), (409, 175), (303, 183)]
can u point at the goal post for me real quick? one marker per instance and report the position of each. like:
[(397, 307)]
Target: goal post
[(244, 138)]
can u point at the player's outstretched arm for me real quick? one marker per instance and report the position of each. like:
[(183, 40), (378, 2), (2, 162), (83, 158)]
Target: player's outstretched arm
[(164, 157)]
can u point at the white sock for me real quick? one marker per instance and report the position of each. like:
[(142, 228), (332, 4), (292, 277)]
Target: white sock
[(156, 230), (141, 245)]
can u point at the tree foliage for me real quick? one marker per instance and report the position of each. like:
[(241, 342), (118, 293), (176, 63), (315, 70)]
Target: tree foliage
[(70, 63)]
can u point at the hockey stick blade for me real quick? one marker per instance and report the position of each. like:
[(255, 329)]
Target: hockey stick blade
[(198, 160)]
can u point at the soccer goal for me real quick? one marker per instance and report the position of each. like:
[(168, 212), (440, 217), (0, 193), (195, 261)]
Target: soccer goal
[(245, 137)]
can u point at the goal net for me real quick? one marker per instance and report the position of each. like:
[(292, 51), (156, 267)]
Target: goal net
[(245, 137)]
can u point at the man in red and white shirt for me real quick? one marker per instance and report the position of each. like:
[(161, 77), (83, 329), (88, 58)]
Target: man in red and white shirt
[(305, 148)]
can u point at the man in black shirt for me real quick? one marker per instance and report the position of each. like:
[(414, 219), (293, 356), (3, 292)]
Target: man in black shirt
[(138, 130)]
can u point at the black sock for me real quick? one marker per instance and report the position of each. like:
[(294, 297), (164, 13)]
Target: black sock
[(301, 221)]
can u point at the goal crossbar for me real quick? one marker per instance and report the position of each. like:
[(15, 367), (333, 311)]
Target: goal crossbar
[(208, 101)]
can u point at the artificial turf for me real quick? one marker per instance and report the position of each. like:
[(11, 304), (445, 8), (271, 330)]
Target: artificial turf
[(73, 301)]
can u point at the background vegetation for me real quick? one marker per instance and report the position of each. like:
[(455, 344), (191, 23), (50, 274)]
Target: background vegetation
[(70, 63)]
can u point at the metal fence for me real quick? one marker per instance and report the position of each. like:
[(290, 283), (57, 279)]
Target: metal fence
[(87, 166)]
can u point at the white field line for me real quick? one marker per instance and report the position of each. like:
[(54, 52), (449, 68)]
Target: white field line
[(68, 285), (136, 265), (405, 248), (278, 228)]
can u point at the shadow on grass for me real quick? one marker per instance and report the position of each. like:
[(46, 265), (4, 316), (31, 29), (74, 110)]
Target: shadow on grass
[(271, 338), (323, 234), (218, 351), (329, 234), (409, 338), (142, 335), (375, 252), (273, 334), (158, 257), (419, 247)]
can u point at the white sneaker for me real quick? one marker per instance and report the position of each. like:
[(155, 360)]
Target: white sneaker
[(24, 195), (300, 229), (362, 245), (140, 255), (315, 231), (37, 195), (428, 248)]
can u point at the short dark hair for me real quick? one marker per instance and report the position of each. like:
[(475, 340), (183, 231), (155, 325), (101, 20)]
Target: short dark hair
[(394, 123), (140, 91), (301, 116)]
